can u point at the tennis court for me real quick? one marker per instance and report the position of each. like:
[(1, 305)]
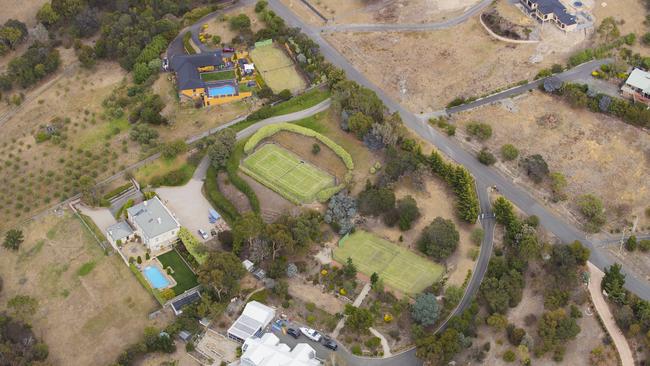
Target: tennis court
[(400, 268), (277, 69), (285, 173)]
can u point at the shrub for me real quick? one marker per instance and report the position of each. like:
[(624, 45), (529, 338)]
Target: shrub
[(592, 209), (485, 157), (315, 149), (509, 152), (477, 236), (509, 356), (356, 350), (439, 239), (536, 167), (481, 131), (193, 246), (425, 311), (644, 245), (631, 244)]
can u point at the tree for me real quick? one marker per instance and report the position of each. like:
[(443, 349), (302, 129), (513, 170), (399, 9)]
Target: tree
[(407, 211), (440, 239), (240, 23), (221, 272), (315, 148), (477, 236), (68, 8), (497, 321), (535, 167), (86, 55), (644, 245), (485, 157), (223, 146), (481, 131), (141, 73), (374, 278), (504, 211), (375, 201), (613, 283), (580, 252), (13, 239), (556, 327), (425, 311), (631, 244), (340, 210), (260, 6), (248, 227), (358, 319), (47, 15), (509, 152), (279, 238), (22, 307), (174, 148), (10, 36), (592, 209), (360, 124), (349, 269), (558, 185), (143, 134)]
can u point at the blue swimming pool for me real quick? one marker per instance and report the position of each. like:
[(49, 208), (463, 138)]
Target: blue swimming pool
[(218, 91), (155, 277)]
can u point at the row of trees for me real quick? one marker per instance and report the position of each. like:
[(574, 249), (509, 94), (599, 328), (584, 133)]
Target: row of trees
[(380, 201), (37, 62)]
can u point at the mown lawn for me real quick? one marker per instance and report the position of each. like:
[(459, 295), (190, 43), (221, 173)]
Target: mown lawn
[(219, 75), (185, 278)]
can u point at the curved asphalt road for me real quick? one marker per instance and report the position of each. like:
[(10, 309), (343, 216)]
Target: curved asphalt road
[(484, 175)]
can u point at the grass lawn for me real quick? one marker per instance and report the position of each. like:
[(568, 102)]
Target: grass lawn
[(102, 132), (243, 87), (218, 75), (157, 170), (400, 268), (277, 69), (286, 173), (185, 278)]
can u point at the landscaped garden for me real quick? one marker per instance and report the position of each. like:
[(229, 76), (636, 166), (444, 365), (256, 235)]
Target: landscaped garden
[(219, 75), (182, 274)]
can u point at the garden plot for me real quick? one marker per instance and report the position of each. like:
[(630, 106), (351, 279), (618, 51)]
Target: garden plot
[(400, 268), (286, 173), (277, 69)]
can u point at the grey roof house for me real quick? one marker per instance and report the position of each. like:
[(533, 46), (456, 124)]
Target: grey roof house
[(119, 232), (637, 86), (154, 224), (551, 11)]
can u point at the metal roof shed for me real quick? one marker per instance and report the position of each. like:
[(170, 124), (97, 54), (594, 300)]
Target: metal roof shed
[(255, 317)]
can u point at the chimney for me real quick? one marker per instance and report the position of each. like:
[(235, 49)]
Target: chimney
[(159, 220)]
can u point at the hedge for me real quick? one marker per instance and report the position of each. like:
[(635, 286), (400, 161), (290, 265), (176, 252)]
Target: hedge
[(117, 191), (271, 130), (227, 210), (232, 167), (187, 44), (325, 194), (192, 245)]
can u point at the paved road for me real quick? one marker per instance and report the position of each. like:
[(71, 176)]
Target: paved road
[(484, 175), (408, 27)]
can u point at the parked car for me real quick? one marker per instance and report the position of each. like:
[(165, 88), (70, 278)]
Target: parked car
[(311, 334), (203, 234), (295, 333), (165, 64), (228, 49), (329, 343)]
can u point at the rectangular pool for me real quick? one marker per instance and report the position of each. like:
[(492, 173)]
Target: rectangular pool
[(219, 91), (155, 277)]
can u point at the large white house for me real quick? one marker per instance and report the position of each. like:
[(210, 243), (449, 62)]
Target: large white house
[(154, 224), (268, 351), (251, 323)]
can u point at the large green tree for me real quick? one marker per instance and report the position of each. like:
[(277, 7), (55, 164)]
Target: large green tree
[(613, 283), (221, 273), (358, 319), (440, 239), (223, 146), (248, 227), (426, 310)]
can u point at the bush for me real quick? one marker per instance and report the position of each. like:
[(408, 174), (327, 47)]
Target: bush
[(536, 167), (271, 130), (485, 157), (631, 244), (356, 350), (481, 131), (509, 152), (592, 209), (509, 356), (644, 245), (193, 246), (477, 236), (232, 168), (217, 199), (315, 149), (439, 239)]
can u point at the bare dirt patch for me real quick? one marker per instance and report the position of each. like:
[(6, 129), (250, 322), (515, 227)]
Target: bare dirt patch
[(436, 200), (598, 154), (99, 313), (461, 61), (630, 14), (307, 292), (25, 11)]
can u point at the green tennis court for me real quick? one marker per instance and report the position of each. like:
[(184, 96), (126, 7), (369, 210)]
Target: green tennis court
[(400, 268), (285, 173), (277, 69)]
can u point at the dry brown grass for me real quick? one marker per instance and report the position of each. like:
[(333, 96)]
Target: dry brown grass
[(426, 70), (85, 320), (220, 26), (598, 154), (25, 11)]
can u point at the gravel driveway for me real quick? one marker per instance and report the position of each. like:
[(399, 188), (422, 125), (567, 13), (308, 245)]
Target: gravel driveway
[(187, 202)]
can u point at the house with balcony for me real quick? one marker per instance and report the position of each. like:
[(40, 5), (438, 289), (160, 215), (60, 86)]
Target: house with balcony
[(552, 11), (637, 86)]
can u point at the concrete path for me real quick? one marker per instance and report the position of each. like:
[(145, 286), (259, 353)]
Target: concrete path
[(603, 310), (384, 342), (101, 216), (362, 295)]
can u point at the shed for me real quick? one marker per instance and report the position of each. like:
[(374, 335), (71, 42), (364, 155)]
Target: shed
[(248, 265), (255, 317), (184, 335)]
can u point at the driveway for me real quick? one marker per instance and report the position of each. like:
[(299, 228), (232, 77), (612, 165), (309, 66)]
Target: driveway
[(102, 217), (187, 203)]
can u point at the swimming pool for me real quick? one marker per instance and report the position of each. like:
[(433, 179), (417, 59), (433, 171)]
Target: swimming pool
[(218, 91), (155, 277)]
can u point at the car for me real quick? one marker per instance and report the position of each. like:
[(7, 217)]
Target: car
[(311, 334), (329, 343), (203, 234), (228, 49), (295, 333), (165, 63)]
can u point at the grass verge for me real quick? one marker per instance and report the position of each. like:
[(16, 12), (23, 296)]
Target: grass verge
[(143, 281), (185, 278)]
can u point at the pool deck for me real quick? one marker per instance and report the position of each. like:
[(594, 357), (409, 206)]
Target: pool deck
[(154, 262)]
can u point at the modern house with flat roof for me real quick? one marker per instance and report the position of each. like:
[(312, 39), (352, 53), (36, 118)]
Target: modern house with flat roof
[(551, 11), (255, 317), (268, 351), (208, 77), (154, 224), (637, 86)]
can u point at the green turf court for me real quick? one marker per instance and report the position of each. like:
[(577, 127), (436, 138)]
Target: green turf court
[(400, 268), (285, 173), (185, 278), (277, 69)]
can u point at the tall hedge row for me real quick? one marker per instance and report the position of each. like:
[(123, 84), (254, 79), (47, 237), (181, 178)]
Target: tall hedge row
[(271, 130), (192, 245), (217, 199)]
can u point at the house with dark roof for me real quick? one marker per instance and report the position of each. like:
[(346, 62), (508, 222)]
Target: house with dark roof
[(551, 11), (208, 77)]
